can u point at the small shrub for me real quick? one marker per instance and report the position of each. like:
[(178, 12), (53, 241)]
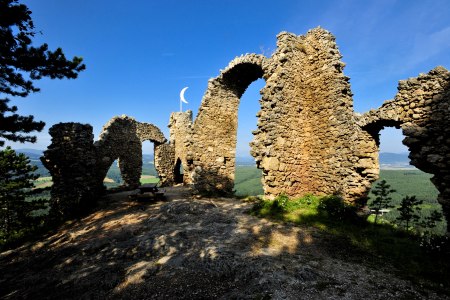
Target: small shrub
[(335, 207), (280, 204), (259, 204), (308, 199), (429, 223)]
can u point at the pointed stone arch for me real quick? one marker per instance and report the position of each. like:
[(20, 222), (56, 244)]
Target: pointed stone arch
[(121, 138), (213, 147)]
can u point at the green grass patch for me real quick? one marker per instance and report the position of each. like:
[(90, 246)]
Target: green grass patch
[(247, 181), (149, 179)]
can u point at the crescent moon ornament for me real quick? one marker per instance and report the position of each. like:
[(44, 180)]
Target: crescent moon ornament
[(182, 95)]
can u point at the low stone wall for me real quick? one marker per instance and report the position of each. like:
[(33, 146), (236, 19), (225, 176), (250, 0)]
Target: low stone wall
[(164, 163)]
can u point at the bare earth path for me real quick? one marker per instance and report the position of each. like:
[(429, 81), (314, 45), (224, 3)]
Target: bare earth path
[(187, 248)]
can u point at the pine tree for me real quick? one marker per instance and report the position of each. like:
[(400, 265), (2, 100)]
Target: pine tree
[(21, 64), (432, 220), (16, 181), (383, 199), (409, 211)]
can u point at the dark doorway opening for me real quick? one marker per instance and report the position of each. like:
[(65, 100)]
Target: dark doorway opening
[(178, 172)]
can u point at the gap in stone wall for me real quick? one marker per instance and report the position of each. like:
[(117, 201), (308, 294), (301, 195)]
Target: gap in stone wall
[(247, 175), (149, 173), (113, 177), (178, 171), (406, 179)]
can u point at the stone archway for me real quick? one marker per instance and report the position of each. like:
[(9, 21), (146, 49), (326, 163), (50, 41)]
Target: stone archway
[(78, 165), (421, 108), (121, 139), (213, 147)]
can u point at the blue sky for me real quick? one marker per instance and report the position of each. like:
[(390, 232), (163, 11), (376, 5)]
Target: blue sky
[(139, 54)]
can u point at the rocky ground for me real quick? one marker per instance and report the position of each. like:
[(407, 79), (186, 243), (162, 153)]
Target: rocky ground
[(186, 248)]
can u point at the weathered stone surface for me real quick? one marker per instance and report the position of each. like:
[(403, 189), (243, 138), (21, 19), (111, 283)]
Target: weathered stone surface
[(306, 136), (71, 160)]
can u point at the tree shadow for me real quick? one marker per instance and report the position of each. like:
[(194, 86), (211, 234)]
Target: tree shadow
[(179, 249)]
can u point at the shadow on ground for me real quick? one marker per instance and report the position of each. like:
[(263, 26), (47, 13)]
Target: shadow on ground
[(187, 248)]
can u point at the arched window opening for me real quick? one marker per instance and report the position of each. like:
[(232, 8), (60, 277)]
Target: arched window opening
[(247, 180), (178, 172), (406, 180), (149, 173)]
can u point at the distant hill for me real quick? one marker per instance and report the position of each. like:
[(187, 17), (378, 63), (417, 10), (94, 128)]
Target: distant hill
[(31, 153), (245, 161), (34, 155), (394, 161), (387, 160)]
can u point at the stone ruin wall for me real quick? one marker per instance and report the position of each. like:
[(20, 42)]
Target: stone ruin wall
[(78, 165), (71, 160), (306, 130), (422, 109), (305, 140), (308, 137), (213, 147), (181, 137), (164, 163)]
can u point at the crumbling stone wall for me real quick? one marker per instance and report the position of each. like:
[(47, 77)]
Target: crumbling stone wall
[(306, 130), (309, 139), (71, 160), (213, 147), (305, 141), (78, 165), (121, 138), (181, 137), (422, 109), (164, 163)]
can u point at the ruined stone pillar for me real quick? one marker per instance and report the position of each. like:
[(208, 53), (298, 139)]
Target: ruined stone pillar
[(71, 161), (164, 163), (181, 138)]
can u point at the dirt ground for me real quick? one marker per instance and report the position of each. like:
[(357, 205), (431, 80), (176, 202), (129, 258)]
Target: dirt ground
[(187, 248)]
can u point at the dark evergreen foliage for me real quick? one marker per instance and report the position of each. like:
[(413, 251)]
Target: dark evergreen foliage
[(16, 181), (21, 64), (409, 212), (382, 192)]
